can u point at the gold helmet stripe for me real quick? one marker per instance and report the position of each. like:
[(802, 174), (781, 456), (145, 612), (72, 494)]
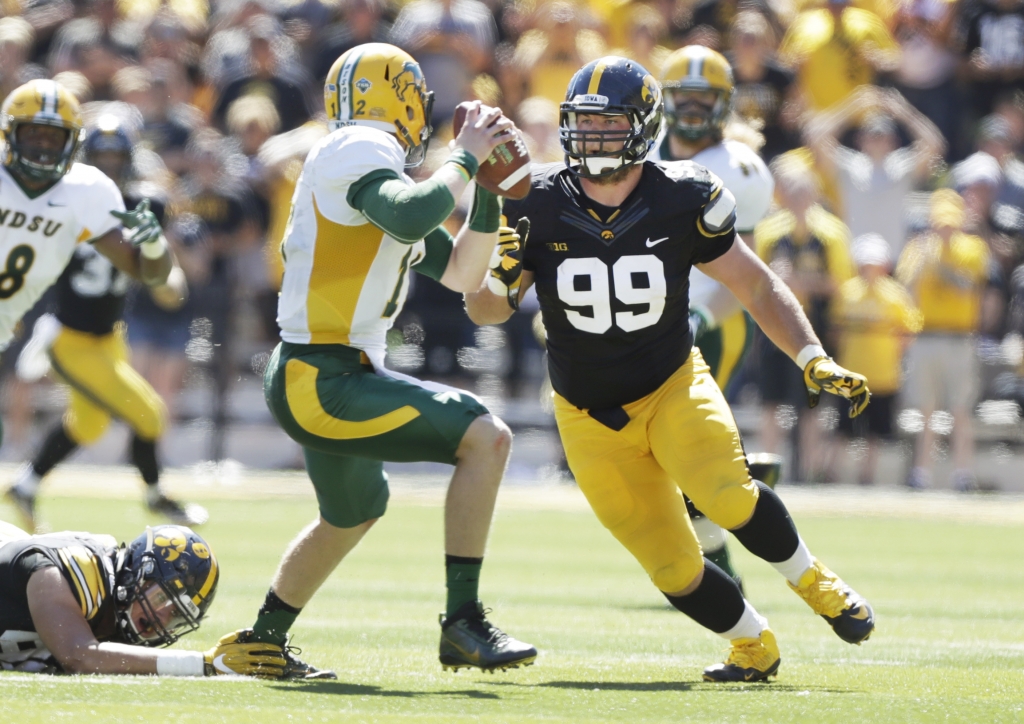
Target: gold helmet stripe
[(208, 583), (595, 78)]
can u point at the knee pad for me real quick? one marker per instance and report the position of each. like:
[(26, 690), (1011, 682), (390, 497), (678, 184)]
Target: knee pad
[(680, 573), (148, 422)]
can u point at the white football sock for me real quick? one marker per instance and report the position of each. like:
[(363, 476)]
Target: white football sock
[(750, 625), (28, 482), (797, 564), (711, 535)]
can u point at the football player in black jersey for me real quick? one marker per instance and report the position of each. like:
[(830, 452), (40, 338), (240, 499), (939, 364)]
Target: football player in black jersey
[(640, 417), (78, 603), (87, 349)]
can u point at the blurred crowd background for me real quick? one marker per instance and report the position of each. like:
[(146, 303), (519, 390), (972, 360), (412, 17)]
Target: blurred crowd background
[(893, 128)]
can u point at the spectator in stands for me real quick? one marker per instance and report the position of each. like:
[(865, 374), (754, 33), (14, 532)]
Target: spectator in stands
[(875, 179), (947, 272), (537, 118), (452, 40), (361, 22), (16, 41), (809, 249), (927, 65), (547, 57), (159, 328), (645, 30), (995, 46), (875, 319), (215, 191), (766, 94), (96, 45), (835, 49), (288, 88), (167, 127)]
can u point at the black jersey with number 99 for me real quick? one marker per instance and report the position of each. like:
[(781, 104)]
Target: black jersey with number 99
[(613, 283)]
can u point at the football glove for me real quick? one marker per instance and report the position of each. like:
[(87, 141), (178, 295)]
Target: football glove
[(142, 224), (506, 272), (236, 654), (822, 373)]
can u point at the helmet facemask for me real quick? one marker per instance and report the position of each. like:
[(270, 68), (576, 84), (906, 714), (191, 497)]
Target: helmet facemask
[(153, 610), (615, 149), (692, 118), (35, 162), (416, 152)]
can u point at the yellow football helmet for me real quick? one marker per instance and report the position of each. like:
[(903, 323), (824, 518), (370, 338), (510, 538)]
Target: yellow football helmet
[(381, 86), (46, 103), (695, 68)]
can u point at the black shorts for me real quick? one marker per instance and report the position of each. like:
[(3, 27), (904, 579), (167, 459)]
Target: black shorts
[(876, 420), (779, 380)]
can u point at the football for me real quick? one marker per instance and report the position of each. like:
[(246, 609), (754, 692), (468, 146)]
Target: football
[(506, 172)]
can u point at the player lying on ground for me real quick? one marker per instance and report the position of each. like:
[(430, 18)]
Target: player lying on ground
[(640, 417), (78, 603), (49, 204), (359, 224), (83, 344)]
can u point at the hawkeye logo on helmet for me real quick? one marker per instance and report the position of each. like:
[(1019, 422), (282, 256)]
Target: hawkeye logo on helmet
[(363, 85), (591, 99)]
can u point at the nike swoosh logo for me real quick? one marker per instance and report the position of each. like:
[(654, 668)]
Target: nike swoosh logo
[(656, 242), (219, 665), (50, 203)]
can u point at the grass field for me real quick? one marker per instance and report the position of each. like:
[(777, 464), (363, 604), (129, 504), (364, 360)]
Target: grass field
[(949, 645)]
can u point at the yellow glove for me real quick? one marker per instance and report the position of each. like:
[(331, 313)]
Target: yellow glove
[(822, 373), (506, 273), (237, 655)]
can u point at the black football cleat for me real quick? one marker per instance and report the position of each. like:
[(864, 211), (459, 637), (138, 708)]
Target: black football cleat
[(468, 639), (298, 670)]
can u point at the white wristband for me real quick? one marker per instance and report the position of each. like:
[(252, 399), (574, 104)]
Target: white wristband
[(154, 249), (811, 351), (496, 286), (180, 663)]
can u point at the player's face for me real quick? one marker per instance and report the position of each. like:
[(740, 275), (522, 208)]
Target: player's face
[(694, 107), (112, 163), (617, 128), (156, 614), (41, 144)]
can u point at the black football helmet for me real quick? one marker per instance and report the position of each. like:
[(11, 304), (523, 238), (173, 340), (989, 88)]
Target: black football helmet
[(165, 582), (104, 142), (610, 86)]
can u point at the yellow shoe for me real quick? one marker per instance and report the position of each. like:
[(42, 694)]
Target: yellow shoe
[(846, 611), (749, 660)]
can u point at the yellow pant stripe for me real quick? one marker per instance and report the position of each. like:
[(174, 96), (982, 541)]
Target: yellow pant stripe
[(304, 403)]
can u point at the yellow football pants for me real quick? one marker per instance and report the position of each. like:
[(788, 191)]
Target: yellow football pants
[(104, 385), (681, 438)]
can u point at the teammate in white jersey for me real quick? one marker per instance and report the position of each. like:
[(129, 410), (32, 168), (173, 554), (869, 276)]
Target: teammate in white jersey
[(359, 225), (49, 204), (698, 86)]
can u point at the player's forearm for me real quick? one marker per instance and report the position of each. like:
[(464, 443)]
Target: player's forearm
[(154, 270), (468, 264), (484, 307), (778, 313), (409, 213)]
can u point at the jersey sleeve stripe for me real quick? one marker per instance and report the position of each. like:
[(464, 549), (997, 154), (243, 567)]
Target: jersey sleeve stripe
[(84, 600)]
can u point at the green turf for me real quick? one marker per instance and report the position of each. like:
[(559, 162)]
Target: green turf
[(949, 644)]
